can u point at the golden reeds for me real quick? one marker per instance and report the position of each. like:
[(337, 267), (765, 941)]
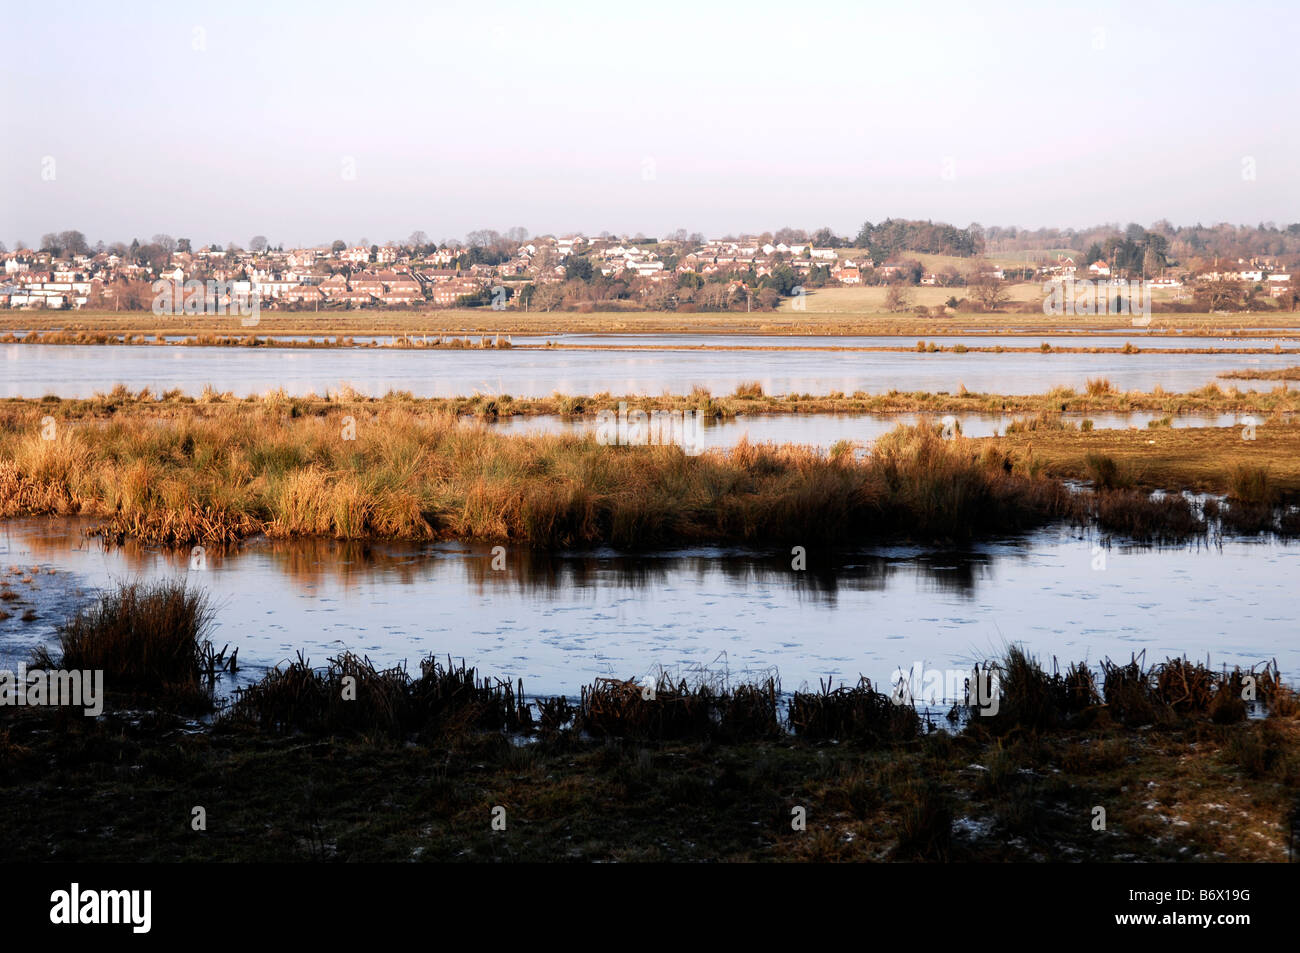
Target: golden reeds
[(395, 474)]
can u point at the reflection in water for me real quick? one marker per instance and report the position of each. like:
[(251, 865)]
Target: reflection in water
[(824, 430), (559, 620), (310, 563)]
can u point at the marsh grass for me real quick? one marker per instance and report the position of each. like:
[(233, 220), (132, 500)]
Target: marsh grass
[(1250, 485), (350, 695), (411, 476), (860, 713), (148, 639), (1035, 702), (1106, 473), (1030, 699), (217, 473), (1041, 421)]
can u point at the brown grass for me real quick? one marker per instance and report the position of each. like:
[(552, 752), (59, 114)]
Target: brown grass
[(1214, 460), (859, 712), (147, 639), (119, 401), (411, 476), (350, 696)]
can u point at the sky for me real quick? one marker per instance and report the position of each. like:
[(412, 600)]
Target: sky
[(307, 122)]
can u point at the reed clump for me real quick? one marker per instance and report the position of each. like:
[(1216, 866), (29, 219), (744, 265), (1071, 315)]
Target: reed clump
[(350, 695), (1041, 421), (1106, 473), (859, 713), (629, 709), (1144, 517), (1028, 698), (1250, 485), (668, 708), (1127, 690), (148, 639)]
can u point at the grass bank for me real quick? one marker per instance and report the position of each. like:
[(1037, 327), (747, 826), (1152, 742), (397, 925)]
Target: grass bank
[(1011, 344), (1258, 374), (1259, 464)]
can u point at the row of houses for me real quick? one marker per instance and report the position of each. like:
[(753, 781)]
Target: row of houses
[(394, 276)]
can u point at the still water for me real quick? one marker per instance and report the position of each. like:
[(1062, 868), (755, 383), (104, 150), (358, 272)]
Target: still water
[(33, 370), (559, 621)]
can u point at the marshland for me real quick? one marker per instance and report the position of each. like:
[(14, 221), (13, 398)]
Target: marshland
[(505, 597), (608, 516)]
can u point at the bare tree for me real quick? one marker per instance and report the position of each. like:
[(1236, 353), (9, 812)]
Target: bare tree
[(1220, 295), (989, 290), (548, 297), (257, 244), (898, 297), (1292, 296), (74, 243)]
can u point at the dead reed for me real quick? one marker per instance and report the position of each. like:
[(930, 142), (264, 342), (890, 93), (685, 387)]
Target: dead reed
[(148, 639), (351, 696), (1028, 698), (859, 713)]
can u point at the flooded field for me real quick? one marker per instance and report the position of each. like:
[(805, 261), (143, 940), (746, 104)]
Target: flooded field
[(559, 621), (82, 370)]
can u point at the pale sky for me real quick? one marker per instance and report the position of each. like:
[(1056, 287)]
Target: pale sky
[(221, 121)]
